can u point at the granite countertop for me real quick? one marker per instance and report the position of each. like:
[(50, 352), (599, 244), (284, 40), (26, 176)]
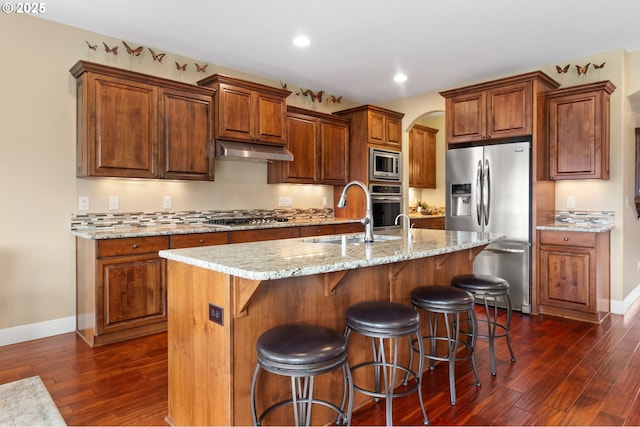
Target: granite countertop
[(582, 228), (581, 221), (278, 259), (170, 229)]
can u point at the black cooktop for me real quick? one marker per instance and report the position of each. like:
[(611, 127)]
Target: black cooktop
[(243, 220)]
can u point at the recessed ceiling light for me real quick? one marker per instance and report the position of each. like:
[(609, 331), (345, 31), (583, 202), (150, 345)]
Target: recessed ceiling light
[(400, 78), (301, 41)]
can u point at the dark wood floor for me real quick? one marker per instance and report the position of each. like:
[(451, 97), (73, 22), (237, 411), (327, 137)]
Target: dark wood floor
[(567, 373)]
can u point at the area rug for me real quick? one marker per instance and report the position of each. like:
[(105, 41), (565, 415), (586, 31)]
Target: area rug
[(28, 403)]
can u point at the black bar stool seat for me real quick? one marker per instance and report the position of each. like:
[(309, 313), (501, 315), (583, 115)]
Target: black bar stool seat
[(381, 320), (447, 303), (494, 291), (302, 352)]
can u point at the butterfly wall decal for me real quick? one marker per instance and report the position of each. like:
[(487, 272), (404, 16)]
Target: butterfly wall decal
[(597, 67), (181, 67), (305, 92), (561, 70), (92, 46), (334, 100), (131, 51), (583, 69), (113, 50), (156, 56), (317, 96), (201, 69), (283, 85)]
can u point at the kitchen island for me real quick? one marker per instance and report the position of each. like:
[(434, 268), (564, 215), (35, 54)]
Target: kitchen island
[(221, 298)]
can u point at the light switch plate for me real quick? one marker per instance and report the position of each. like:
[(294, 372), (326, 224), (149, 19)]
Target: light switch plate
[(571, 202), (166, 202), (83, 203), (114, 203)]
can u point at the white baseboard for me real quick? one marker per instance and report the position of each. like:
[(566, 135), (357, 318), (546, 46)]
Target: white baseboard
[(35, 331), (621, 307)]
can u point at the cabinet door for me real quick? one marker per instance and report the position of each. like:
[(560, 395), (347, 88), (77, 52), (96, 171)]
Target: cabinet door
[(236, 119), (510, 111), (271, 116), (566, 275), (466, 118), (376, 128), (122, 123), (393, 132), (185, 135), (334, 153), (131, 292), (303, 144), (422, 157), (576, 146)]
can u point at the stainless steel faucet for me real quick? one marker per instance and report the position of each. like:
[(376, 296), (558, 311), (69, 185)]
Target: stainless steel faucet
[(368, 216), (409, 225)]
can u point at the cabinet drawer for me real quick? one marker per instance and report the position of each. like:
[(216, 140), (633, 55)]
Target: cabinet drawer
[(199, 239), (242, 236), (351, 227), (317, 230), (568, 238), (132, 246)]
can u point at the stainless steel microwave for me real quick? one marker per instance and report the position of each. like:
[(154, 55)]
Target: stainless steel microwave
[(385, 165)]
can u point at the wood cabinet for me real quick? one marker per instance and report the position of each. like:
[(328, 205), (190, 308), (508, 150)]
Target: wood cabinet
[(179, 241), (436, 222), (500, 109), (422, 157), (579, 131), (370, 126), (121, 288), (133, 125), (320, 147), (574, 272), (248, 111), (375, 125)]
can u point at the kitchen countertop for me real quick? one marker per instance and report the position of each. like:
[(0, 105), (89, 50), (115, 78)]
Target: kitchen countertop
[(277, 259), (581, 228), (169, 229)]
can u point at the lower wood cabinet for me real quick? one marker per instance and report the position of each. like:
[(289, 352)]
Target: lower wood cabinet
[(120, 289), (121, 284), (429, 222), (573, 274)]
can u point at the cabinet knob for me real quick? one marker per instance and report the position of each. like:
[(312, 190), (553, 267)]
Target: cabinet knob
[(135, 246), (201, 240), (566, 239)]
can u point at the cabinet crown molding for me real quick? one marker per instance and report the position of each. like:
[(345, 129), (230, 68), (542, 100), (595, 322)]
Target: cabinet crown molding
[(535, 75)]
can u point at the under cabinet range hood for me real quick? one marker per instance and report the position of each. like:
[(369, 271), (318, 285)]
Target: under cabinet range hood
[(233, 150)]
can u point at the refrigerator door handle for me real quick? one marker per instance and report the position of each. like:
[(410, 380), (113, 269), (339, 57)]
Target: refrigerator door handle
[(486, 192), (479, 193)]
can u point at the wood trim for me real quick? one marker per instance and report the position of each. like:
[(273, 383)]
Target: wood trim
[(332, 280), (243, 290)]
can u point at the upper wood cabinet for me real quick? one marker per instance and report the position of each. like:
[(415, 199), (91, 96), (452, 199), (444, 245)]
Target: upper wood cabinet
[(134, 125), (500, 109), (579, 131), (247, 111), (422, 157), (375, 125), (320, 147)]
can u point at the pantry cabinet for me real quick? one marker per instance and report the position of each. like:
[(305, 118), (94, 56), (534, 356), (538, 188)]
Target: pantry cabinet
[(500, 109), (579, 131), (133, 125), (574, 271), (320, 146), (422, 157), (121, 288), (248, 111)]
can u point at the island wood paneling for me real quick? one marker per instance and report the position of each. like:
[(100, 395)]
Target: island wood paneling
[(211, 365)]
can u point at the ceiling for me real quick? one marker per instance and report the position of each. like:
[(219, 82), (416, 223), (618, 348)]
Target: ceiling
[(358, 45)]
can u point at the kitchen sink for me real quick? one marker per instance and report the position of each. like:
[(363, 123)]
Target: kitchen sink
[(349, 239)]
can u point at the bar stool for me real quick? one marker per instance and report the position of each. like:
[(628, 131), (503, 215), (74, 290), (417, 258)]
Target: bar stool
[(380, 320), (302, 352), (448, 303), (491, 289)]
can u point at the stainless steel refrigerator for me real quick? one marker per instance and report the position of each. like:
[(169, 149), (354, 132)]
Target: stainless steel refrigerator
[(489, 190)]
